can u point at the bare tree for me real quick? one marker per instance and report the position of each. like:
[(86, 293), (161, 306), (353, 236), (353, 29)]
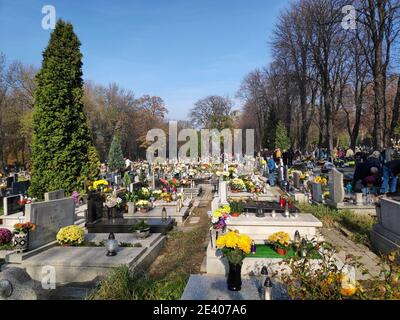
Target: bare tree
[(380, 19)]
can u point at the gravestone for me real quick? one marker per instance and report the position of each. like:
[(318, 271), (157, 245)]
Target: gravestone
[(49, 217), (11, 205), (20, 187), (336, 189), (10, 181), (316, 192), (385, 235), (94, 207), (296, 179), (54, 195)]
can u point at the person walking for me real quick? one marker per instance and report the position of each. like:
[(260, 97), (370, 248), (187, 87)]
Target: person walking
[(271, 170)]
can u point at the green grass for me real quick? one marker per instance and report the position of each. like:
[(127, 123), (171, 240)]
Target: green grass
[(121, 284), (359, 224), (7, 246), (266, 251)]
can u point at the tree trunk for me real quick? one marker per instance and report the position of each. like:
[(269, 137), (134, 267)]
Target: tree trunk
[(396, 110)]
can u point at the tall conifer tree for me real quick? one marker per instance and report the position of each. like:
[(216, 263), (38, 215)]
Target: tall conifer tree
[(61, 137)]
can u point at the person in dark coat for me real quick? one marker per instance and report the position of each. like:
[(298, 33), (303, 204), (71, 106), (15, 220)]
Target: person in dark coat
[(391, 172)]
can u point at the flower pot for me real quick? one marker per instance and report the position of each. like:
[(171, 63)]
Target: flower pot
[(144, 210), (235, 191), (235, 214), (234, 280), (142, 234), (281, 252), (21, 242)]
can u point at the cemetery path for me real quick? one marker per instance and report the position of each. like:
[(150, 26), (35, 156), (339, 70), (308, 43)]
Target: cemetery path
[(346, 246), (185, 247)]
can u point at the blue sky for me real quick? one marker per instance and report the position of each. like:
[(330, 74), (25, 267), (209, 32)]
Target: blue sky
[(180, 50)]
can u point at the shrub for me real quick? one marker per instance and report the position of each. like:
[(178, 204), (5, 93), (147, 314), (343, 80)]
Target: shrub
[(5, 236), (71, 235)]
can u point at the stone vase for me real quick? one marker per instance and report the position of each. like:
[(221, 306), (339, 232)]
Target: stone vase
[(21, 242), (131, 208), (234, 280)]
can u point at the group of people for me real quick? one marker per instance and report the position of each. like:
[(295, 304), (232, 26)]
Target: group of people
[(372, 169), (376, 172)]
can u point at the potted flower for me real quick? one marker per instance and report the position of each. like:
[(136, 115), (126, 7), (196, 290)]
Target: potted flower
[(5, 238), (21, 235), (280, 241), (157, 194), (99, 185), (237, 207), (235, 247), (141, 229), (144, 193), (143, 206), (71, 236), (237, 185)]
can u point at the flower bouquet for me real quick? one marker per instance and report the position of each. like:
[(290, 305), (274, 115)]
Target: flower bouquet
[(113, 201), (157, 194), (100, 185), (143, 206), (219, 216), (144, 193), (280, 241), (237, 185), (235, 248), (24, 227)]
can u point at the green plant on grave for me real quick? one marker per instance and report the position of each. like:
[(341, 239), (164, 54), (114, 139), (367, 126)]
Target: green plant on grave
[(115, 155), (140, 226), (327, 281), (61, 137), (237, 206), (131, 197), (126, 245), (126, 180)]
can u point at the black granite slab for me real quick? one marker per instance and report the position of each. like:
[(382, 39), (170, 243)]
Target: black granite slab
[(121, 225)]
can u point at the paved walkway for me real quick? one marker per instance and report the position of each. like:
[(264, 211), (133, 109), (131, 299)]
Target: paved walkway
[(346, 246)]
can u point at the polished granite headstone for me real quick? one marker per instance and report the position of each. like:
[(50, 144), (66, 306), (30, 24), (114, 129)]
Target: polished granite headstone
[(121, 225)]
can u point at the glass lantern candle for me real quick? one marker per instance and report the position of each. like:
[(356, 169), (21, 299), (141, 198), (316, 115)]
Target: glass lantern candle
[(111, 245), (164, 214)]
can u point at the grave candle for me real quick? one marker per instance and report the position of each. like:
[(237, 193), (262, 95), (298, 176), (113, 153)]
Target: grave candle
[(253, 247), (268, 289)]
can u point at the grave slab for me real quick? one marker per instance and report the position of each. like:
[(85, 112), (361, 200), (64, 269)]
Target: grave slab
[(80, 264), (206, 287)]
